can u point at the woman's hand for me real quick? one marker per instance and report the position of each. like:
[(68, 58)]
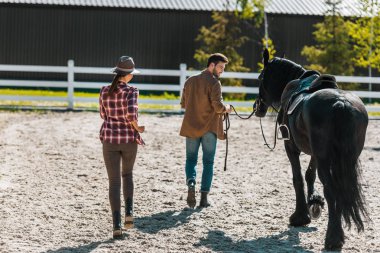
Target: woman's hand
[(141, 129), (138, 128)]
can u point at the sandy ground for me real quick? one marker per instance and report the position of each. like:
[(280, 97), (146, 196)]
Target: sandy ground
[(54, 191)]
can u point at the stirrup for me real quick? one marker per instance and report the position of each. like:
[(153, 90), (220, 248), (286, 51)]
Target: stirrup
[(287, 137)]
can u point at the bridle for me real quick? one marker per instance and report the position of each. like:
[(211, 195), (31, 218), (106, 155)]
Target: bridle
[(256, 105)]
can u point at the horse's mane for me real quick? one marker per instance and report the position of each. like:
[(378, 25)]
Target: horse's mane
[(285, 69)]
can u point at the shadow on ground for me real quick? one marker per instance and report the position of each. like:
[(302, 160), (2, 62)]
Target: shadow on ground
[(83, 248), (164, 220), (286, 241)]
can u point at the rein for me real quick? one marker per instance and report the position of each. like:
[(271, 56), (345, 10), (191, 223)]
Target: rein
[(275, 136), (275, 130), (226, 119)]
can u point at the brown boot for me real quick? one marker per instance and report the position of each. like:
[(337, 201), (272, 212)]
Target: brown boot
[(117, 231), (191, 201), (204, 202), (128, 222)]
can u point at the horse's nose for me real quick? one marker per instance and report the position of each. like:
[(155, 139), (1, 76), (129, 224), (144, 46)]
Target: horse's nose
[(260, 112), (260, 109)]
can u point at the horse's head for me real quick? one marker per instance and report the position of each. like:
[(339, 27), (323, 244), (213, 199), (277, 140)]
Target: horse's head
[(263, 100), (273, 79)]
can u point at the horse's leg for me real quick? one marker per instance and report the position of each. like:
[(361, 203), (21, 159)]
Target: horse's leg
[(335, 235), (314, 200), (300, 217)]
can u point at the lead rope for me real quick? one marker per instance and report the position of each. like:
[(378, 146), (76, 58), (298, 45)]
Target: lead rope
[(226, 118), (253, 111), (228, 124)]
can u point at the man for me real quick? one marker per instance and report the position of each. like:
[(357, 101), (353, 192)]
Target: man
[(203, 124)]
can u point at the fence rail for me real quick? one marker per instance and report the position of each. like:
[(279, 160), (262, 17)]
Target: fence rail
[(182, 73)]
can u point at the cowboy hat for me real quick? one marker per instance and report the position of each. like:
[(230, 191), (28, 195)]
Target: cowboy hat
[(125, 66)]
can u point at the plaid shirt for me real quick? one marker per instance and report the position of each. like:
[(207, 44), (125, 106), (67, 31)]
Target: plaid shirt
[(119, 110)]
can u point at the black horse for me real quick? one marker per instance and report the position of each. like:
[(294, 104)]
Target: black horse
[(328, 124)]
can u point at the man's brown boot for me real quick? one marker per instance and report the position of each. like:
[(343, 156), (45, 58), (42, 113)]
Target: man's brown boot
[(191, 201), (204, 202)]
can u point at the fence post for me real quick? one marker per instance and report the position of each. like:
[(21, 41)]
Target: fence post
[(70, 84), (182, 77)]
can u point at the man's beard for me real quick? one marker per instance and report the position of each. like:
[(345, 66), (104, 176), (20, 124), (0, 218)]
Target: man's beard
[(215, 73)]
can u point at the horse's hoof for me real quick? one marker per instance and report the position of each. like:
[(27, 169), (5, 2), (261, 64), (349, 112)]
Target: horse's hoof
[(316, 199), (334, 246), (297, 220), (334, 239), (315, 211)]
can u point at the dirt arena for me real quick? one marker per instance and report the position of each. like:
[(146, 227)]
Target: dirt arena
[(54, 191)]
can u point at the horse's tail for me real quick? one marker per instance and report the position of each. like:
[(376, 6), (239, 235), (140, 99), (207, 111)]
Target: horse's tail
[(345, 167)]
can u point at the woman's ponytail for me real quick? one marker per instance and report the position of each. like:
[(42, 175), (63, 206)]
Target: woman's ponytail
[(114, 84)]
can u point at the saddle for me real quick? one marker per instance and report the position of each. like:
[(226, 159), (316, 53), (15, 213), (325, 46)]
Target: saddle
[(310, 82)]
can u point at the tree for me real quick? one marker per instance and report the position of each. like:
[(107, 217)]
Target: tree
[(251, 11), (225, 36), (333, 52), (249, 7), (365, 33)]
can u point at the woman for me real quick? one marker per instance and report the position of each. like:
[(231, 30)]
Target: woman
[(120, 136)]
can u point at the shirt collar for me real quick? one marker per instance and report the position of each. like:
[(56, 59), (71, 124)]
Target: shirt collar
[(208, 73)]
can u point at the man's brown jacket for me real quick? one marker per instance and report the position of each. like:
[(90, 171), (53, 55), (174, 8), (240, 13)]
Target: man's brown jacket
[(203, 103)]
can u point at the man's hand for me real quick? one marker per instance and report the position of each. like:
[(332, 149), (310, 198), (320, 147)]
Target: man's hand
[(228, 108)]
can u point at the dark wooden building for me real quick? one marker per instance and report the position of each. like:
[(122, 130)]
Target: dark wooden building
[(155, 34)]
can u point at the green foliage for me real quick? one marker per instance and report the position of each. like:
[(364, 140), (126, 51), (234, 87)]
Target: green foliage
[(13, 105), (225, 36), (343, 44), (166, 95), (251, 11), (365, 33), (333, 52), (29, 92)]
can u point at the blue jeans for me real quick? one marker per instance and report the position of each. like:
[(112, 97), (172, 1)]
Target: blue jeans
[(208, 141)]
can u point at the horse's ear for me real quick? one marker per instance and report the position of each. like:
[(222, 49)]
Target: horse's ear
[(266, 56)]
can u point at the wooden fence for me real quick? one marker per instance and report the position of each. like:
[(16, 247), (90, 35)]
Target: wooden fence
[(182, 73)]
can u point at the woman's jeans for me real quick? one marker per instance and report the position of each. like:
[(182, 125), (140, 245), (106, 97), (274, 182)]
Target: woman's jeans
[(208, 141), (114, 156)]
